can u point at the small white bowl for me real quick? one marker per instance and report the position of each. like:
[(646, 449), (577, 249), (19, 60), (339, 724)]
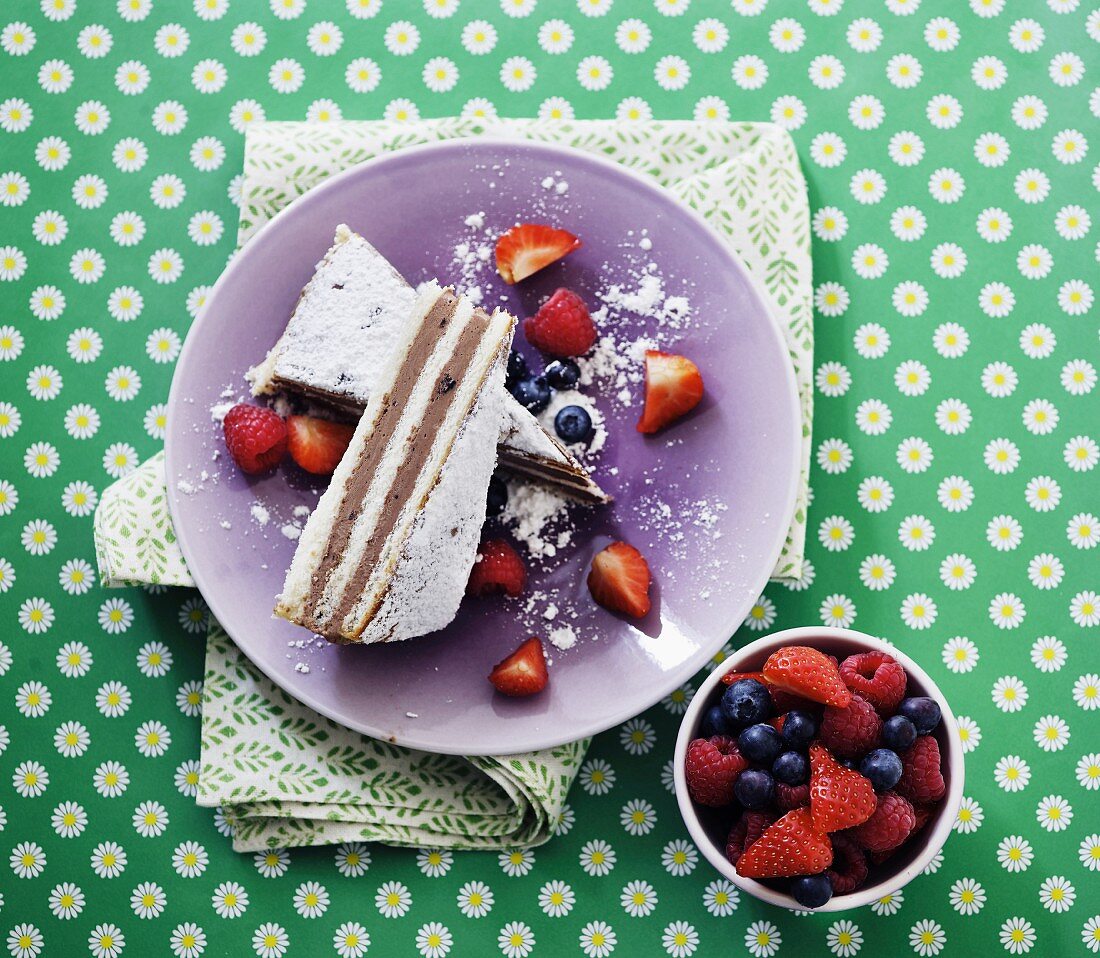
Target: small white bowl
[(910, 861)]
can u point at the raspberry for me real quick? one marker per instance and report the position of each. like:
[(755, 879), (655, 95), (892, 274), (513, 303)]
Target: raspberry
[(562, 326), (876, 676), (921, 779), (891, 823), (788, 797), (255, 436), (852, 730), (711, 768), (746, 830), (849, 869), (498, 569)]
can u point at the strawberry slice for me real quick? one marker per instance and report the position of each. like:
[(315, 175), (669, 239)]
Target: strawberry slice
[(839, 797), (809, 673), (673, 387), (523, 672), (528, 247), (620, 580), (498, 569), (317, 445), (792, 846)]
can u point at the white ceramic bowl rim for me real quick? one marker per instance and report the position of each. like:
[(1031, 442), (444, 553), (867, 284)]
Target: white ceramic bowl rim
[(934, 838)]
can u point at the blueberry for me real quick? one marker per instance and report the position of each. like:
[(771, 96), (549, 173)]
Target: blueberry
[(799, 728), (714, 723), (882, 767), (746, 701), (532, 393), (812, 891), (562, 374), (760, 744), (790, 768), (922, 711), (517, 369), (573, 424), (754, 788), (498, 496), (898, 733)]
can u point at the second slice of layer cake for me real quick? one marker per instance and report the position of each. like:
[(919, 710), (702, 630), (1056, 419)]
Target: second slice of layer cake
[(388, 551)]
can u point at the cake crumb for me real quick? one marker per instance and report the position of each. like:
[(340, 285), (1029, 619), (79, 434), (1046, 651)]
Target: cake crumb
[(563, 637)]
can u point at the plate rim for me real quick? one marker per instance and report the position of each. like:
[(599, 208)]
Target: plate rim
[(642, 181)]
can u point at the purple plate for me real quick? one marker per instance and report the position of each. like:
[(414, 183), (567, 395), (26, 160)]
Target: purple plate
[(708, 501)]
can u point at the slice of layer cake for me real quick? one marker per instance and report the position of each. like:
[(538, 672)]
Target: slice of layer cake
[(388, 551), (337, 345)]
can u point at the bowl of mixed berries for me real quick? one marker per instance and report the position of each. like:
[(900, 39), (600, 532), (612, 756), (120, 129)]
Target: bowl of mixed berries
[(819, 768)]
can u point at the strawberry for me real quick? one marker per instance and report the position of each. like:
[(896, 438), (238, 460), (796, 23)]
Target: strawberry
[(498, 568), (255, 437), (792, 846), (620, 579), (839, 797), (807, 672), (711, 769), (562, 327), (523, 672), (528, 247), (876, 676), (673, 387), (318, 445)]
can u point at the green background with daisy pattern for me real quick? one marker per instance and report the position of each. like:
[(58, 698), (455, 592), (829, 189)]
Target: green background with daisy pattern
[(951, 149)]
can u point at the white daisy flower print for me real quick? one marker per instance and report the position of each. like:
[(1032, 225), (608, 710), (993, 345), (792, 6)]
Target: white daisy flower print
[(230, 900), (594, 73), (834, 456), (906, 148), (155, 420), (38, 537), (480, 37), (1037, 341), (1086, 691), (715, 108), (1007, 610), (994, 225), (108, 859), (49, 228), (434, 862), (908, 223), (918, 611), (169, 117), (1057, 895), (761, 616), (1054, 813), (944, 111), (762, 939), (207, 153), (115, 616), (125, 304), (154, 659), (517, 862), (870, 261), (433, 940), (831, 299), (957, 572), (749, 72), (1084, 609), (672, 73), (148, 900), (132, 77), (44, 383), (829, 224), (270, 940), (710, 35), (106, 941), (914, 455), (633, 108), (66, 901), (35, 615), (9, 497), (189, 702), (1004, 533), (150, 819), (828, 150), (597, 857), (970, 733), (837, 610), (637, 736), (351, 940), (833, 379), (393, 900), (960, 655), (1012, 773), (152, 738), (17, 39), (988, 73), (71, 739), (596, 777), (875, 494), (597, 939), (188, 940), (33, 699), (120, 459), (475, 899), (967, 896), (1017, 936), (866, 112), (113, 699), (52, 153), (826, 72), (556, 898), (15, 115), (997, 300), (189, 859), (787, 35), (912, 378), (1015, 854), (28, 860), (1045, 571), (721, 898), (1081, 453), (877, 572), (352, 858), (129, 154), (835, 533), (679, 857), (676, 702), (25, 941), (111, 779), (946, 185), (638, 817), (30, 779), (1032, 185), (82, 421), (927, 938), (517, 74), (680, 939), (631, 36), (310, 899), (1083, 530), (1088, 852), (638, 898), (1043, 493), (949, 260)]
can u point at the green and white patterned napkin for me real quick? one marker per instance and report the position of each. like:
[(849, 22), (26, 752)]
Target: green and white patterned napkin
[(285, 776)]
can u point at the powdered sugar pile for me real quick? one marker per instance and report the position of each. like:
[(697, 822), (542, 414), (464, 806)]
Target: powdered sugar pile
[(538, 517)]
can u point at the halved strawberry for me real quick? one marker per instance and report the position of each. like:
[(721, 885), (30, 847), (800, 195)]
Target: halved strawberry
[(839, 797), (807, 672), (498, 569), (528, 247), (620, 580), (792, 846), (523, 672), (317, 445), (673, 387)]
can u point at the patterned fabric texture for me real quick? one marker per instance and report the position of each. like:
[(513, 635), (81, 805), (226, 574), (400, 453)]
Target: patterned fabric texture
[(950, 152)]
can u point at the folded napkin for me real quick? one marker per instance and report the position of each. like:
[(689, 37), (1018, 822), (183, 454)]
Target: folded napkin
[(284, 775)]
